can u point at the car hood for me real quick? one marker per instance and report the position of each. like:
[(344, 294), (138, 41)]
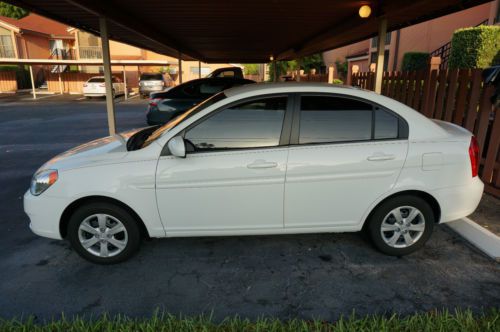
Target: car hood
[(104, 150)]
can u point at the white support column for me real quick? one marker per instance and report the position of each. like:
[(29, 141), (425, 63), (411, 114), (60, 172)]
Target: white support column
[(125, 83), (379, 70), (61, 90), (32, 82), (106, 58), (180, 68), (199, 69)]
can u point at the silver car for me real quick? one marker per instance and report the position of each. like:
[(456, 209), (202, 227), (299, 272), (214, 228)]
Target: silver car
[(151, 82)]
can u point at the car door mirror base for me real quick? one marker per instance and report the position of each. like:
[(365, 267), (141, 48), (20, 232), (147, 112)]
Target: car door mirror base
[(177, 147)]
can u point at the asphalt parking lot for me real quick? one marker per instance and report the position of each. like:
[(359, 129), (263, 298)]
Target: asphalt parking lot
[(303, 276)]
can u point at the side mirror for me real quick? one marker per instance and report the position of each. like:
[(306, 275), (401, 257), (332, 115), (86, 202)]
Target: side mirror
[(177, 147)]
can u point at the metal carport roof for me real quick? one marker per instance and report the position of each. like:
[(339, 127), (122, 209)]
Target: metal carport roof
[(240, 30)]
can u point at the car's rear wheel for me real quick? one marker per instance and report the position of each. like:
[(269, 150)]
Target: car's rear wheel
[(401, 225), (103, 233)]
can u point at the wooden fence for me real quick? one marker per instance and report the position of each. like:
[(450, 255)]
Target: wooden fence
[(8, 81), (458, 96)]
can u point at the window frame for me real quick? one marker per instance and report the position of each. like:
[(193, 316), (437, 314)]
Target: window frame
[(403, 128), (284, 139)]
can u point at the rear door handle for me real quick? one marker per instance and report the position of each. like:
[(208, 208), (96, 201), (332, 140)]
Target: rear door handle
[(262, 164), (381, 157)]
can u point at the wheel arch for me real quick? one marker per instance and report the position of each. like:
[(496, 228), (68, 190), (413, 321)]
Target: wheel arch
[(71, 208), (433, 202)]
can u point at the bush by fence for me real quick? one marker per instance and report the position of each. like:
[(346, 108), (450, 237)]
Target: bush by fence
[(415, 61), (458, 96), (477, 47)]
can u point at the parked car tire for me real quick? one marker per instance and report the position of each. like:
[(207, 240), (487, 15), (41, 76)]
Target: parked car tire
[(104, 233), (401, 225)]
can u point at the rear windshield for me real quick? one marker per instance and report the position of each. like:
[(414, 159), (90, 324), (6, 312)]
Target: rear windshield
[(151, 77), (97, 80)]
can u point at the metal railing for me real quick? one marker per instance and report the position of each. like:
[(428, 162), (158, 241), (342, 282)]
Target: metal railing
[(444, 50), (63, 54), (90, 52)]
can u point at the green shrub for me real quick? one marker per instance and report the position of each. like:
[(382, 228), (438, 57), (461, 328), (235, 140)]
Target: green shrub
[(9, 68), (477, 47), (415, 61), (337, 81)]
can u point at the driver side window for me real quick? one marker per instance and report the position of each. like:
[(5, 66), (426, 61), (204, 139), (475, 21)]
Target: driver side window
[(253, 124)]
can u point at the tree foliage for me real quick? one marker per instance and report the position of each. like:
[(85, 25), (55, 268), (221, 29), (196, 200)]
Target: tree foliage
[(314, 61), (12, 11), (251, 69)]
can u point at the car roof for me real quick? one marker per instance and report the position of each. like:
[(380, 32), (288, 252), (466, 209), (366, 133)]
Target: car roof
[(217, 79), (289, 86)]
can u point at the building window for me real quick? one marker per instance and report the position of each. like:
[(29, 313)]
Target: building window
[(373, 58), (387, 40), (195, 69), (6, 47)]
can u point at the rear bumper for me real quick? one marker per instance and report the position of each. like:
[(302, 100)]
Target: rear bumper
[(461, 201), (149, 89), (95, 94), (44, 213)]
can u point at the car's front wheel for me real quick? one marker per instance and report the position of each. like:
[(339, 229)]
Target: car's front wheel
[(401, 225), (104, 233)]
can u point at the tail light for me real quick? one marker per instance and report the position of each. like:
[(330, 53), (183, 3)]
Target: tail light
[(102, 85), (154, 101), (474, 156)]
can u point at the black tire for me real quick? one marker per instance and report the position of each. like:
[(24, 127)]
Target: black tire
[(378, 216), (133, 232)]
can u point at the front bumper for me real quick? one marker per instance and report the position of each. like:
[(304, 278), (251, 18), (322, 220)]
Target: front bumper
[(45, 214), (460, 201)]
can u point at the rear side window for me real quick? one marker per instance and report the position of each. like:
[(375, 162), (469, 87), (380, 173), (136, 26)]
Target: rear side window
[(325, 119), (333, 119), (386, 125)]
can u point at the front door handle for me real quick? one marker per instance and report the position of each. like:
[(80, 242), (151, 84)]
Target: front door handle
[(262, 164), (381, 157)]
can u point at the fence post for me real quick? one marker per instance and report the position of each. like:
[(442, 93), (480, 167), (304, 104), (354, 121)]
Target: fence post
[(330, 74)]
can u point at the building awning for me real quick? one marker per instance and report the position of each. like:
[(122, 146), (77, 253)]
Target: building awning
[(82, 62), (240, 31)]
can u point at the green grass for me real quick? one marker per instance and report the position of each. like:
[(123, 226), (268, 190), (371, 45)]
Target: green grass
[(433, 321)]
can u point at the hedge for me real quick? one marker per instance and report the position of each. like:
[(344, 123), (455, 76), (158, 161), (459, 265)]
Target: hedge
[(477, 47), (415, 61)]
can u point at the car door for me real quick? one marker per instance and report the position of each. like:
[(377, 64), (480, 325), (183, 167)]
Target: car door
[(345, 154), (232, 178)]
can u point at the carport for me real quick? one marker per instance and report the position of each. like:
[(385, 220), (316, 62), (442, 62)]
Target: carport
[(256, 31)]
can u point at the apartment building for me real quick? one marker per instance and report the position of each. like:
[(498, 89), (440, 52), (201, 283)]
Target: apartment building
[(432, 36)]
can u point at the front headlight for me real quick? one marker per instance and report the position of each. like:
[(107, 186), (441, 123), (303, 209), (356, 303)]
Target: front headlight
[(42, 180)]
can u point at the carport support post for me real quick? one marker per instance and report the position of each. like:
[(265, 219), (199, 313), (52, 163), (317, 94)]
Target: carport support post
[(106, 58), (32, 82), (125, 83), (60, 80), (379, 69), (180, 68), (199, 69)]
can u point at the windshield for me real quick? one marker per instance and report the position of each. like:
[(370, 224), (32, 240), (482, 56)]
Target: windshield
[(151, 77), (174, 122)]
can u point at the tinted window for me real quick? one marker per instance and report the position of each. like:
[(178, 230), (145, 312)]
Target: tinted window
[(249, 125), (386, 125), (96, 80), (151, 77), (334, 119)]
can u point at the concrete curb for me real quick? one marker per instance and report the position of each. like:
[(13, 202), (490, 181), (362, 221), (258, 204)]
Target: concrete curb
[(479, 236)]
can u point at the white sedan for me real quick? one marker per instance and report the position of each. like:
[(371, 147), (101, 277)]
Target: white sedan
[(96, 87), (283, 158)]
